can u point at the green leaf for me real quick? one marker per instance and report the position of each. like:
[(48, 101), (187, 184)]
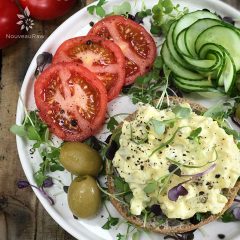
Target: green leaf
[(18, 130), (150, 187), (91, 9), (181, 112), (56, 167), (123, 8), (33, 134), (120, 237), (228, 217), (232, 132), (158, 63), (101, 2), (40, 177), (112, 124), (199, 216), (121, 185), (110, 223), (159, 127), (195, 133), (100, 12), (168, 6)]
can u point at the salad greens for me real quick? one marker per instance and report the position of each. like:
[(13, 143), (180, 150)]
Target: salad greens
[(98, 9), (35, 130)]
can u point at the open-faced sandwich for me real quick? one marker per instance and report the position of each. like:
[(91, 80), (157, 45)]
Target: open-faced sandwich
[(180, 169)]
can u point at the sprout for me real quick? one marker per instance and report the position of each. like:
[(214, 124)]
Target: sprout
[(47, 183)]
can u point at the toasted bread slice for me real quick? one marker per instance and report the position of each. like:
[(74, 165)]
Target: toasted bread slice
[(169, 227)]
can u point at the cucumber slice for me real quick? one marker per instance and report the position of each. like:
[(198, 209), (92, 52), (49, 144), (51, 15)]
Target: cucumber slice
[(187, 88), (175, 67), (224, 36), (195, 30), (189, 19), (228, 75), (172, 48), (200, 84)]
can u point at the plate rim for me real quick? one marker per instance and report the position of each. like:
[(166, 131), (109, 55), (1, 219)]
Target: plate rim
[(20, 113)]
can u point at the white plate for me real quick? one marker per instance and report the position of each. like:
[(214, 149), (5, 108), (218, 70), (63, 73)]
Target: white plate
[(78, 25)]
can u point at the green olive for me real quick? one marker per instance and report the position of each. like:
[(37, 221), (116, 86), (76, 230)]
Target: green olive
[(80, 159), (84, 197)]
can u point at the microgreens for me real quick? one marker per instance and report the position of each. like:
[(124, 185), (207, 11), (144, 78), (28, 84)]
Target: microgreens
[(111, 221), (194, 135), (177, 191), (122, 9), (232, 214), (162, 145), (164, 14), (159, 126), (112, 124), (188, 166), (46, 184), (34, 129), (141, 15), (181, 112), (148, 88), (98, 8), (222, 110)]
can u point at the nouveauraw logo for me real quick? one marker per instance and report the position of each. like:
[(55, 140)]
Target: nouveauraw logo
[(25, 20)]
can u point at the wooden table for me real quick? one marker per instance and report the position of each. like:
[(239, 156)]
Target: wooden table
[(22, 217)]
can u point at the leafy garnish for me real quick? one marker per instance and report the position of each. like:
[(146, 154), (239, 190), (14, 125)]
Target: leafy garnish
[(164, 14), (221, 111), (194, 135), (181, 112), (141, 15), (148, 88), (111, 221), (159, 126), (120, 236), (46, 184), (112, 124), (34, 129), (228, 216), (151, 187), (122, 9), (177, 191), (98, 8), (199, 217), (198, 175), (120, 185), (162, 145)]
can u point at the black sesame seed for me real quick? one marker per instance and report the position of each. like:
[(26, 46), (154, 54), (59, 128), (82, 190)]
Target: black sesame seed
[(142, 167), (217, 176), (89, 42), (221, 236), (91, 23), (74, 122)]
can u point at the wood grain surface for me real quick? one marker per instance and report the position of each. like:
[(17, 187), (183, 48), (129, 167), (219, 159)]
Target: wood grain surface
[(22, 217)]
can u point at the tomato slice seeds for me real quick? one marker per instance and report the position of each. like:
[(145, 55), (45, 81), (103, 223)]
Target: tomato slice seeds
[(71, 100), (102, 57), (135, 42)]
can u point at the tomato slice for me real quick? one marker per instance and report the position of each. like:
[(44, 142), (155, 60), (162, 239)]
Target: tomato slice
[(136, 43), (71, 100), (103, 57)]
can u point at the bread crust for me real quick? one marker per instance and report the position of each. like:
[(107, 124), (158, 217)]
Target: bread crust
[(152, 226)]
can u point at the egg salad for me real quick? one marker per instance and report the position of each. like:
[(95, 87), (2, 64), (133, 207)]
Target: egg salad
[(162, 150)]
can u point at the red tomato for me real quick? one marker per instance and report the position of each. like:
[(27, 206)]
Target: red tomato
[(71, 101), (136, 43), (8, 23), (47, 9), (103, 57)]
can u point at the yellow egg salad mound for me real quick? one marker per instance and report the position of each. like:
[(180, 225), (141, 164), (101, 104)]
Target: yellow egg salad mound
[(161, 149)]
